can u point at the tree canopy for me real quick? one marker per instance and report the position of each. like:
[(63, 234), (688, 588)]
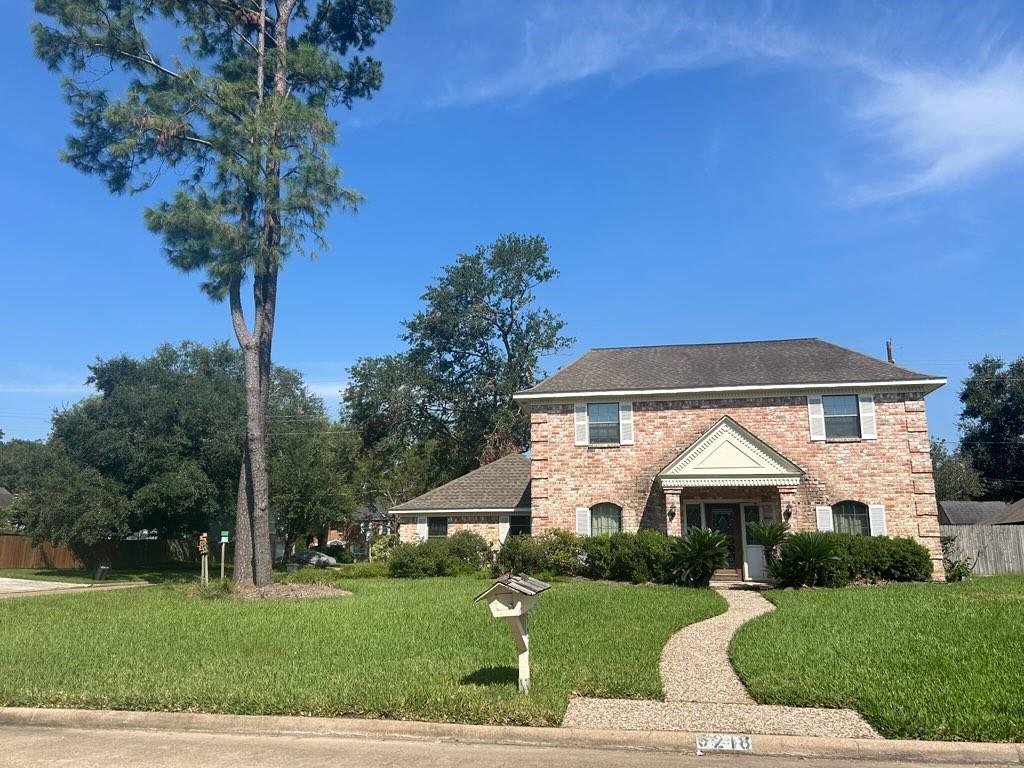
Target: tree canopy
[(444, 405), (956, 479), (992, 425)]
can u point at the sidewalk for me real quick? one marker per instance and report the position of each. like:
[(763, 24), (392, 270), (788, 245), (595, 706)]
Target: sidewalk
[(115, 727), (10, 588)]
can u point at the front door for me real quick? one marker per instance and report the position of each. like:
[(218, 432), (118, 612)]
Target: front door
[(725, 518)]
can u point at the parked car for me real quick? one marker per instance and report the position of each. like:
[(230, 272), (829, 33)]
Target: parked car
[(314, 558)]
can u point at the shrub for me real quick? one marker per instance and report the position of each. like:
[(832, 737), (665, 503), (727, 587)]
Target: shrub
[(640, 557), (563, 553), (809, 559), (340, 553), (957, 568), (382, 546), (771, 536), (880, 558), (470, 548), (696, 556), (520, 554), (597, 555)]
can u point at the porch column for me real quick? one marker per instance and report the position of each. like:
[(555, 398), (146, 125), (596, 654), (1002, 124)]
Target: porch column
[(673, 512)]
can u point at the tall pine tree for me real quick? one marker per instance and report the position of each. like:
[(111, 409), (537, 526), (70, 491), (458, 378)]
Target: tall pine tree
[(239, 105)]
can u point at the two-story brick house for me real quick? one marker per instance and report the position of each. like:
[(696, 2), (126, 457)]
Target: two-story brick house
[(711, 435)]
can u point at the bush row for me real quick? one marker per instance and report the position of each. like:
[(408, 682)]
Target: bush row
[(837, 559)]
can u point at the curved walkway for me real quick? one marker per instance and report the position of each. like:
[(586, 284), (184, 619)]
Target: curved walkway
[(703, 693)]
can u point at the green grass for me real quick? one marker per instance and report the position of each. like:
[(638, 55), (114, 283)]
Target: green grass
[(922, 661), (154, 575), (395, 648)]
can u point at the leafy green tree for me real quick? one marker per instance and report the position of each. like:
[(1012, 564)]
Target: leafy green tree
[(60, 501), (956, 479), (992, 425), (477, 341), (239, 107)]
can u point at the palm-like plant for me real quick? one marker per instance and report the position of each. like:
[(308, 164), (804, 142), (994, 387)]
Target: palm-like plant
[(771, 536), (806, 559), (696, 556)]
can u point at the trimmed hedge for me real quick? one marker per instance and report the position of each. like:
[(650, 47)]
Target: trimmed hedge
[(461, 553), (837, 559)]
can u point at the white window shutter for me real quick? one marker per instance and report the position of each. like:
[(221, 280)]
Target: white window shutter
[(868, 428), (625, 423), (876, 516), (421, 528), (502, 529), (581, 424), (816, 417), (824, 515), (583, 521)]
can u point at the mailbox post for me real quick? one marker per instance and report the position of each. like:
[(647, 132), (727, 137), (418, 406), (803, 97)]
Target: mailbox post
[(510, 598)]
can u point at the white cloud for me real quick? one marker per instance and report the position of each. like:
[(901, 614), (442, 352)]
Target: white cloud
[(326, 389), (933, 107), (938, 129)]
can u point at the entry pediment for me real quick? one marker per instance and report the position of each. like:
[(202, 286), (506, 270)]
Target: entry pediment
[(727, 454)]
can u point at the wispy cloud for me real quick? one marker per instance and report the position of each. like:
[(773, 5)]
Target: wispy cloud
[(933, 109), (939, 129)]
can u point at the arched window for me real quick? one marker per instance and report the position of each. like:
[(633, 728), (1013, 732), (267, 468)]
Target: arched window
[(851, 517), (605, 518)]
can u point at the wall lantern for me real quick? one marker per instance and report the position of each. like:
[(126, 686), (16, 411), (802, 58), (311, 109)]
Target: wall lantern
[(511, 597), (787, 512)]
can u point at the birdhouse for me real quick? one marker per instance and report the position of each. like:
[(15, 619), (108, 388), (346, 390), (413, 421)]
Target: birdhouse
[(510, 598)]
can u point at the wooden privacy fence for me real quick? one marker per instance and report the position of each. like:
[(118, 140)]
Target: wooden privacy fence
[(16, 551), (992, 548)]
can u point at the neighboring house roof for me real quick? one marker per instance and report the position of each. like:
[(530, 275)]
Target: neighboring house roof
[(5, 497), (501, 486), (968, 512), (727, 454), (1011, 514), (797, 363)]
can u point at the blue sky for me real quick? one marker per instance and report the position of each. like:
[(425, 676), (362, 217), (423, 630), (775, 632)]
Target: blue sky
[(702, 172)]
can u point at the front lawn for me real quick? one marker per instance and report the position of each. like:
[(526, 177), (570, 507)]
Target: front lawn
[(922, 661), (395, 648)]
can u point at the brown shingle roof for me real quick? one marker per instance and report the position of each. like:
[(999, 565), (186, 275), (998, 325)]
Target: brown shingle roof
[(733, 364), (968, 512), (1012, 514), (501, 485)]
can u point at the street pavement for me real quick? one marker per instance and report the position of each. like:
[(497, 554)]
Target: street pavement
[(30, 746)]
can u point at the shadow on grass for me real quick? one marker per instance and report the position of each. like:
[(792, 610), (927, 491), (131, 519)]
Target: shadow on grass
[(492, 676)]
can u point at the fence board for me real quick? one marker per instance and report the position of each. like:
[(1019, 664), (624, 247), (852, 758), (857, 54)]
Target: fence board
[(992, 548), (17, 552)]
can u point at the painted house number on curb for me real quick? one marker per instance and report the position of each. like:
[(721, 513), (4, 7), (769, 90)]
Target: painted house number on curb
[(723, 742)]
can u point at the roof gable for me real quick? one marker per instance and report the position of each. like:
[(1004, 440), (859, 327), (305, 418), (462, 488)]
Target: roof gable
[(728, 454), (794, 363), (501, 486)]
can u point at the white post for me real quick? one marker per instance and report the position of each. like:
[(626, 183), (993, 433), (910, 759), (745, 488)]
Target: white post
[(222, 546), (521, 632)]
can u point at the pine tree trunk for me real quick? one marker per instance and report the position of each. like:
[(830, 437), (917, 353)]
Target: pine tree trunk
[(242, 573), (256, 422)]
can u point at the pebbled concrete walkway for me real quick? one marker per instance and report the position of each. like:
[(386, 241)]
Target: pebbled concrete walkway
[(703, 693)]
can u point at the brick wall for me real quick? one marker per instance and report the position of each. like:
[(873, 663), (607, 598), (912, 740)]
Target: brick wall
[(894, 470), (485, 525)]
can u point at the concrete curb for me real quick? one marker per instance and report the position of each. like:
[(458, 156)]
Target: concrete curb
[(651, 741)]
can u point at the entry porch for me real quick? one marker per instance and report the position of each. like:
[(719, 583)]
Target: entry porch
[(725, 480)]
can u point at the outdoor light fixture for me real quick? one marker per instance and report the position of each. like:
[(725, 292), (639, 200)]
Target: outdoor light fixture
[(788, 512)]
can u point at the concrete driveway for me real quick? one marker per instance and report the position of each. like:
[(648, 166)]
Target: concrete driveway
[(11, 587)]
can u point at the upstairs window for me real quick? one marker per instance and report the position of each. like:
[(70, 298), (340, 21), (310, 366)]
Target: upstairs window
[(603, 422), (842, 416)]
